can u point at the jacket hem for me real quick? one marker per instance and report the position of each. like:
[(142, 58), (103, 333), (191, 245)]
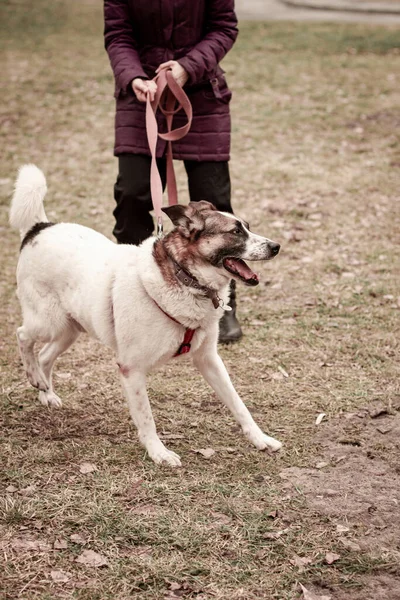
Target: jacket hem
[(200, 157)]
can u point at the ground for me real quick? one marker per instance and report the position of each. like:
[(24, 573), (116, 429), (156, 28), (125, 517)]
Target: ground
[(315, 166)]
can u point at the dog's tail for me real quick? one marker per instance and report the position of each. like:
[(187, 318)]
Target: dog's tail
[(27, 202)]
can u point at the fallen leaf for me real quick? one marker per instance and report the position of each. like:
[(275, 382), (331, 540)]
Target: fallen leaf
[(319, 418), (282, 370), (340, 458), (312, 301), (331, 492), (77, 538), (307, 595), (274, 535), (173, 436), (144, 509), (321, 465), (228, 449), (331, 557), (30, 489), (277, 376), (11, 489), (378, 523), (86, 583), (63, 375), (87, 467), (384, 428), (206, 452), (90, 558), (173, 585), (60, 576), (349, 544), (30, 545), (132, 491), (221, 518), (37, 524), (140, 551), (60, 545), (289, 321), (342, 528), (300, 562), (378, 411)]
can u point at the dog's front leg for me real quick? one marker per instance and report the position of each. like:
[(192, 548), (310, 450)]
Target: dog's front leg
[(134, 384), (214, 372)]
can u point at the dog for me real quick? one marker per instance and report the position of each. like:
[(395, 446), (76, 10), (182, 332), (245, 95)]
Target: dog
[(151, 303)]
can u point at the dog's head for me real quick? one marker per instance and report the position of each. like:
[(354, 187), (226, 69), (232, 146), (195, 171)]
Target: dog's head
[(204, 237)]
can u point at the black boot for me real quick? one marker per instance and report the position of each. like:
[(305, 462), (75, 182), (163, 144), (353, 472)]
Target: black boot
[(229, 327)]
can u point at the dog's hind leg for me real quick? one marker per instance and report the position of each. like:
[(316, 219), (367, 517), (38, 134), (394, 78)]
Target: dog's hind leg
[(26, 344), (47, 357), (134, 384), (214, 372)]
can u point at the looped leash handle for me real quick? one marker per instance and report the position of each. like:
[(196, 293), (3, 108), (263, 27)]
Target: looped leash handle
[(169, 99)]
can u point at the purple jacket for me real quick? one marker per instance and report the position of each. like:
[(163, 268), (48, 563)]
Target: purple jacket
[(140, 35)]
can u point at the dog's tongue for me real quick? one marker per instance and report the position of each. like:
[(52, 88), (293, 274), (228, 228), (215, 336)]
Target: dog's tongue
[(240, 267)]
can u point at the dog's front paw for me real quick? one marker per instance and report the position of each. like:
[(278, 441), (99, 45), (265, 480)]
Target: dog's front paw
[(37, 379), (50, 399), (262, 441), (160, 455)]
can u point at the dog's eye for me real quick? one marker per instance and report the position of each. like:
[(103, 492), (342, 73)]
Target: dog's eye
[(237, 231)]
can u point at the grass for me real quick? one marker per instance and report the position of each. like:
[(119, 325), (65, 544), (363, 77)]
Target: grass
[(315, 165)]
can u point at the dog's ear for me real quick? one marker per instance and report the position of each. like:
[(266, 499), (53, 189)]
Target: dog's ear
[(202, 205), (187, 219), (176, 213)]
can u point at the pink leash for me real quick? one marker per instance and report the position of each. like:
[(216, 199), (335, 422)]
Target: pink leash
[(170, 99)]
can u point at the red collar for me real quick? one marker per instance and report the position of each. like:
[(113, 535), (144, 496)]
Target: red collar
[(184, 348)]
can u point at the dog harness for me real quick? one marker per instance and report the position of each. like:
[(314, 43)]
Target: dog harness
[(184, 348)]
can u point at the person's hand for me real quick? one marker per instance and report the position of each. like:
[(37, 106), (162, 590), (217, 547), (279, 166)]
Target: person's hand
[(142, 87), (178, 72)]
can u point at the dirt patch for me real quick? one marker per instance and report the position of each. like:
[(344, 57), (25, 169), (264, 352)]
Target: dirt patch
[(355, 483)]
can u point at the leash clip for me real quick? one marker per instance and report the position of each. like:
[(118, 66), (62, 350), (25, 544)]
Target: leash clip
[(160, 228), (224, 306)]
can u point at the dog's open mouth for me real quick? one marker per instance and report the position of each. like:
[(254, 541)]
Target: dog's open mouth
[(238, 267)]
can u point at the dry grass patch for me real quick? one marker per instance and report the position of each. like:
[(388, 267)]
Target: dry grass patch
[(315, 165)]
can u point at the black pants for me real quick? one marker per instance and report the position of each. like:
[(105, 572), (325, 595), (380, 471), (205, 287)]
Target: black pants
[(134, 223)]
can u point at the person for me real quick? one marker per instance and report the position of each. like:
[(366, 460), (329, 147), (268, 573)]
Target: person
[(142, 37)]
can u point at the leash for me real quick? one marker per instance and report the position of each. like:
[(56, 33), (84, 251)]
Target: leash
[(169, 99)]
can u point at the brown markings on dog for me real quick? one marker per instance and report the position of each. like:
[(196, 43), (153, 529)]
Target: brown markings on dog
[(161, 256), (202, 235)]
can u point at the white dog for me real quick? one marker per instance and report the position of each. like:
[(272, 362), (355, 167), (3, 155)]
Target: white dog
[(150, 303)]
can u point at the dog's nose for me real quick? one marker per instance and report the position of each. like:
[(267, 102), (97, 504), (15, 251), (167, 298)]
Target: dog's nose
[(274, 248)]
